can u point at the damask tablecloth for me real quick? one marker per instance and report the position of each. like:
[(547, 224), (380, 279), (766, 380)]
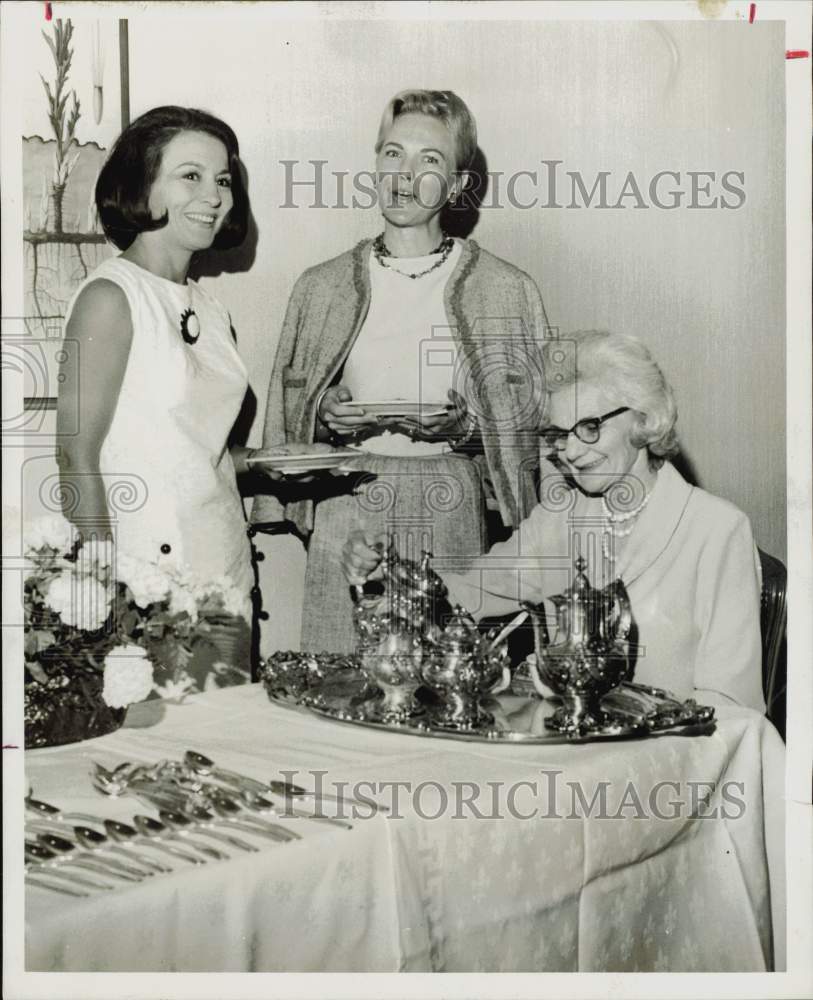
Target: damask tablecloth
[(661, 854)]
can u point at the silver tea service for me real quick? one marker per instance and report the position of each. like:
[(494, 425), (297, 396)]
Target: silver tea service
[(424, 669), (411, 637), (587, 657)]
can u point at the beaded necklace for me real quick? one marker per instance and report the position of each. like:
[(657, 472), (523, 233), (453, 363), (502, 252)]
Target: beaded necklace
[(444, 248)]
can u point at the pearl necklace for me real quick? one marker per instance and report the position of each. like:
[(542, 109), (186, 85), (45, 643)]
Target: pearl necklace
[(380, 251), (615, 518)]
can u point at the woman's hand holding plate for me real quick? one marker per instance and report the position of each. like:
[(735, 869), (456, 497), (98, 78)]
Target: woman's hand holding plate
[(341, 418), (452, 423)]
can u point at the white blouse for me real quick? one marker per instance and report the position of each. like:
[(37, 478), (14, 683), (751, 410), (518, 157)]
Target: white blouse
[(404, 349)]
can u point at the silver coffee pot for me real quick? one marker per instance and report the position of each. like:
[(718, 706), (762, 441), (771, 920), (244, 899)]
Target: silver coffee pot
[(587, 656)]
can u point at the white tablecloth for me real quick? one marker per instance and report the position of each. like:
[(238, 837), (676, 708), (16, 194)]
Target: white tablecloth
[(558, 892)]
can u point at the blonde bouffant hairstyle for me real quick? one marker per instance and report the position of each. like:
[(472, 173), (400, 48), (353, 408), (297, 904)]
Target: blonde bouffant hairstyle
[(442, 104), (624, 370)]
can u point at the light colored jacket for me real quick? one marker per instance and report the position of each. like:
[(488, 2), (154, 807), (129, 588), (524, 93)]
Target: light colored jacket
[(497, 322), (690, 567)]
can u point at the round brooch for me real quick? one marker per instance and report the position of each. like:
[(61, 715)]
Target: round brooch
[(190, 326)]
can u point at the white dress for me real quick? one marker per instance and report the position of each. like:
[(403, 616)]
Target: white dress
[(169, 477)]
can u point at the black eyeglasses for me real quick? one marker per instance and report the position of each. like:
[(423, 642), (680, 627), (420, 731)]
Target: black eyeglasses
[(587, 430)]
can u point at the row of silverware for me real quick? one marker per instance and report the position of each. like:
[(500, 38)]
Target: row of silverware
[(197, 803)]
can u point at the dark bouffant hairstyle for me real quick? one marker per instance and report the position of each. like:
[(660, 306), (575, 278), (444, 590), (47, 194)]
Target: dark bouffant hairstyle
[(123, 187)]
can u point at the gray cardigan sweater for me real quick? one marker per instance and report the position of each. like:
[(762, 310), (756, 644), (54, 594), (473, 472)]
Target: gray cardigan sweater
[(497, 320)]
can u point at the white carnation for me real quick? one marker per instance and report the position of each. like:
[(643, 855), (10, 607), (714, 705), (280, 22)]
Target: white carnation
[(177, 688), (127, 676), (181, 600), (96, 553), (52, 531), (233, 601), (146, 581), (80, 600)]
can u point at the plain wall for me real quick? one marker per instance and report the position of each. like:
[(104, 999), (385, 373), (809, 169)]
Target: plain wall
[(704, 288)]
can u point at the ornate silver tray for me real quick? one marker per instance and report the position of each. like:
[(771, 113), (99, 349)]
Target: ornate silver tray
[(332, 686)]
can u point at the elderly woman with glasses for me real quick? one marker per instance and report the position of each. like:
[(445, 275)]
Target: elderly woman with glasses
[(687, 558), (423, 351)]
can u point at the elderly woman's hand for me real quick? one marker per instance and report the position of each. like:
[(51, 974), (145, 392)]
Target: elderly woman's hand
[(362, 557), (339, 417)]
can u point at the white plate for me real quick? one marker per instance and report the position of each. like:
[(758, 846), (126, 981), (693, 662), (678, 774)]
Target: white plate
[(301, 462), (399, 408)]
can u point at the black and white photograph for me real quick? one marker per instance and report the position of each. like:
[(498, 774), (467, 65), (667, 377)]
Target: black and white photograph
[(407, 548)]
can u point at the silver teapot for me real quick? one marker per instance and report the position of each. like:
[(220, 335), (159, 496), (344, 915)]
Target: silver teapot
[(393, 631), (462, 668), (587, 657)]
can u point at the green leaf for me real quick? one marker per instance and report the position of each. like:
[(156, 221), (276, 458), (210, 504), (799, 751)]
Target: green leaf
[(51, 46), (129, 621), (44, 639), (47, 90), (36, 671)]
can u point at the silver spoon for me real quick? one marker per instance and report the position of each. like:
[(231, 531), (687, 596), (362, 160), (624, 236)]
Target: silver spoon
[(203, 765), (68, 839), (263, 805), (151, 827), (40, 856), (41, 883), (248, 791), (124, 833), (49, 870), (93, 840), (67, 848), (229, 809), (64, 851), (157, 844), (100, 769), (293, 791), (184, 824), (151, 792), (47, 811), (110, 865), (205, 817)]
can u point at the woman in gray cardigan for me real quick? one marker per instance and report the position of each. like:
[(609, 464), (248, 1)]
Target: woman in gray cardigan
[(419, 317)]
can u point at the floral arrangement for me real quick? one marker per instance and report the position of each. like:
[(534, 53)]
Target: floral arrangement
[(104, 629)]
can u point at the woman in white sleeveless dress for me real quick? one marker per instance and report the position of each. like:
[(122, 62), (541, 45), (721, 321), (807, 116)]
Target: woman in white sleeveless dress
[(156, 380)]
